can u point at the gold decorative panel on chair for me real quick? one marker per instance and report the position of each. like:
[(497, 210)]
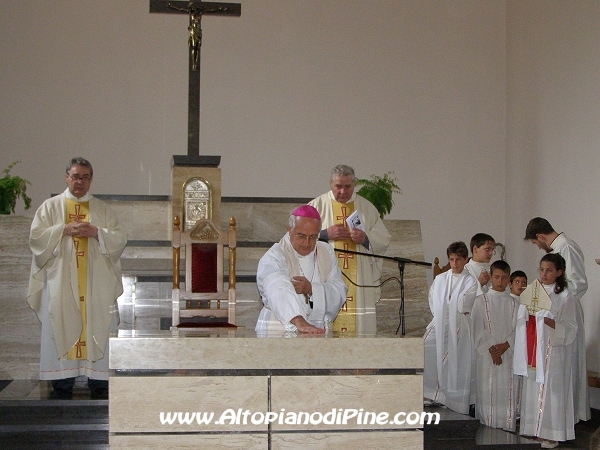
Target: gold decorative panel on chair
[(204, 294), (197, 201)]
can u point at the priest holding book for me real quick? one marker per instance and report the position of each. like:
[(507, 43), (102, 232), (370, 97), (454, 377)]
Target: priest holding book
[(365, 234)]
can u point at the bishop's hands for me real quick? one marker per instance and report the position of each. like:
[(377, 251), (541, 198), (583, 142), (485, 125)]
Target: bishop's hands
[(80, 229), (302, 285), (304, 327), (339, 232), (496, 351)]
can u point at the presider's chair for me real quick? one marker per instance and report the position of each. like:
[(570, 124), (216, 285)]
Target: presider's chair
[(204, 295), (437, 269)]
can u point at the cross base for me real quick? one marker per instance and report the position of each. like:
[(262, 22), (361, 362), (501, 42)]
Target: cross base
[(196, 161)]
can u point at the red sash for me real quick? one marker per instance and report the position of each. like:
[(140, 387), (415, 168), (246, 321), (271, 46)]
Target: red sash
[(531, 341)]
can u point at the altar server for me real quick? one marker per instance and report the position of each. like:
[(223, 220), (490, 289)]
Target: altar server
[(449, 358), (547, 403), (482, 249), (493, 324)]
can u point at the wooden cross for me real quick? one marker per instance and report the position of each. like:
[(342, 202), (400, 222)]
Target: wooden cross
[(195, 9)]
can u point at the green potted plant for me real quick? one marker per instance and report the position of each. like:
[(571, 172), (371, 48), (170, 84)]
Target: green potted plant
[(379, 190), (11, 188)]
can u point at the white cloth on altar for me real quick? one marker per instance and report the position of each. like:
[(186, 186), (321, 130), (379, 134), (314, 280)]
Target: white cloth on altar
[(547, 409), (280, 301), (368, 268), (494, 321), (578, 285), (53, 287), (448, 376), (475, 269)]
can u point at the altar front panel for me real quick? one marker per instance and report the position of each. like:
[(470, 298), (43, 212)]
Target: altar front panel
[(190, 441), (405, 440), (347, 401), (259, 390), (184, 404)]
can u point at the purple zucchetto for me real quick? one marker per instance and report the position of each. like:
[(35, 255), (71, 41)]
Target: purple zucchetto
[(306, 211)]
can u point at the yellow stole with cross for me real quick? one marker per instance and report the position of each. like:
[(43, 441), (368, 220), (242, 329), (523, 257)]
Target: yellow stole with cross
[(79, 212), (346, 319)]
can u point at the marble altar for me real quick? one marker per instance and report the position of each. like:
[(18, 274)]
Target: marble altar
[(299, 391)]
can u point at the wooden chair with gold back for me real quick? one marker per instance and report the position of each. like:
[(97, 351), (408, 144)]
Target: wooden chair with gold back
[(437, 269), (204, 295)]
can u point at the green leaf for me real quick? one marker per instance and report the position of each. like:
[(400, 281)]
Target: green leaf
[(11, 189), (379, 191)]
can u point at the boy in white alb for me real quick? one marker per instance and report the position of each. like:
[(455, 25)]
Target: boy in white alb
[(493, 324), (482, 250), (518, 283), (449, 357)]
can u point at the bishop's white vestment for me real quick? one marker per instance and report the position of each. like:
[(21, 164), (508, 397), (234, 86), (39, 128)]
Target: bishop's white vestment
[(547, 402), (54, 291), (449, 356), (494, 321), (368, 269), (281, 303), (578, 285)]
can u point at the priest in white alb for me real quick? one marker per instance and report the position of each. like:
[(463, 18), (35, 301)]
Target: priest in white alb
[(298, 279), (362, 273), (76, 241)]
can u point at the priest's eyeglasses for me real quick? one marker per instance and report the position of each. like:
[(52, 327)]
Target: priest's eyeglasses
[(85, 178), (304, 237)]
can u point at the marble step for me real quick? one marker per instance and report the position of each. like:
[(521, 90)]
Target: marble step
[(54, 424), (48, 415), (56, 439)]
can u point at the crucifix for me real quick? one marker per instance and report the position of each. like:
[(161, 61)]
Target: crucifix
[(195, 10)]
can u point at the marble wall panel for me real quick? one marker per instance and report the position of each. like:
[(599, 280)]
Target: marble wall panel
[(143, 220), (337, 396), (259, 222), (380, 440), (21, 330), (135, 403)]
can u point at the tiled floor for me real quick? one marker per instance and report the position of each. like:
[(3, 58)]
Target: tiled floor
[(464, 432)]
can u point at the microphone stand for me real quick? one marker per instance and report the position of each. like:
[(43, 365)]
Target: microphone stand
[(401, 264)]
